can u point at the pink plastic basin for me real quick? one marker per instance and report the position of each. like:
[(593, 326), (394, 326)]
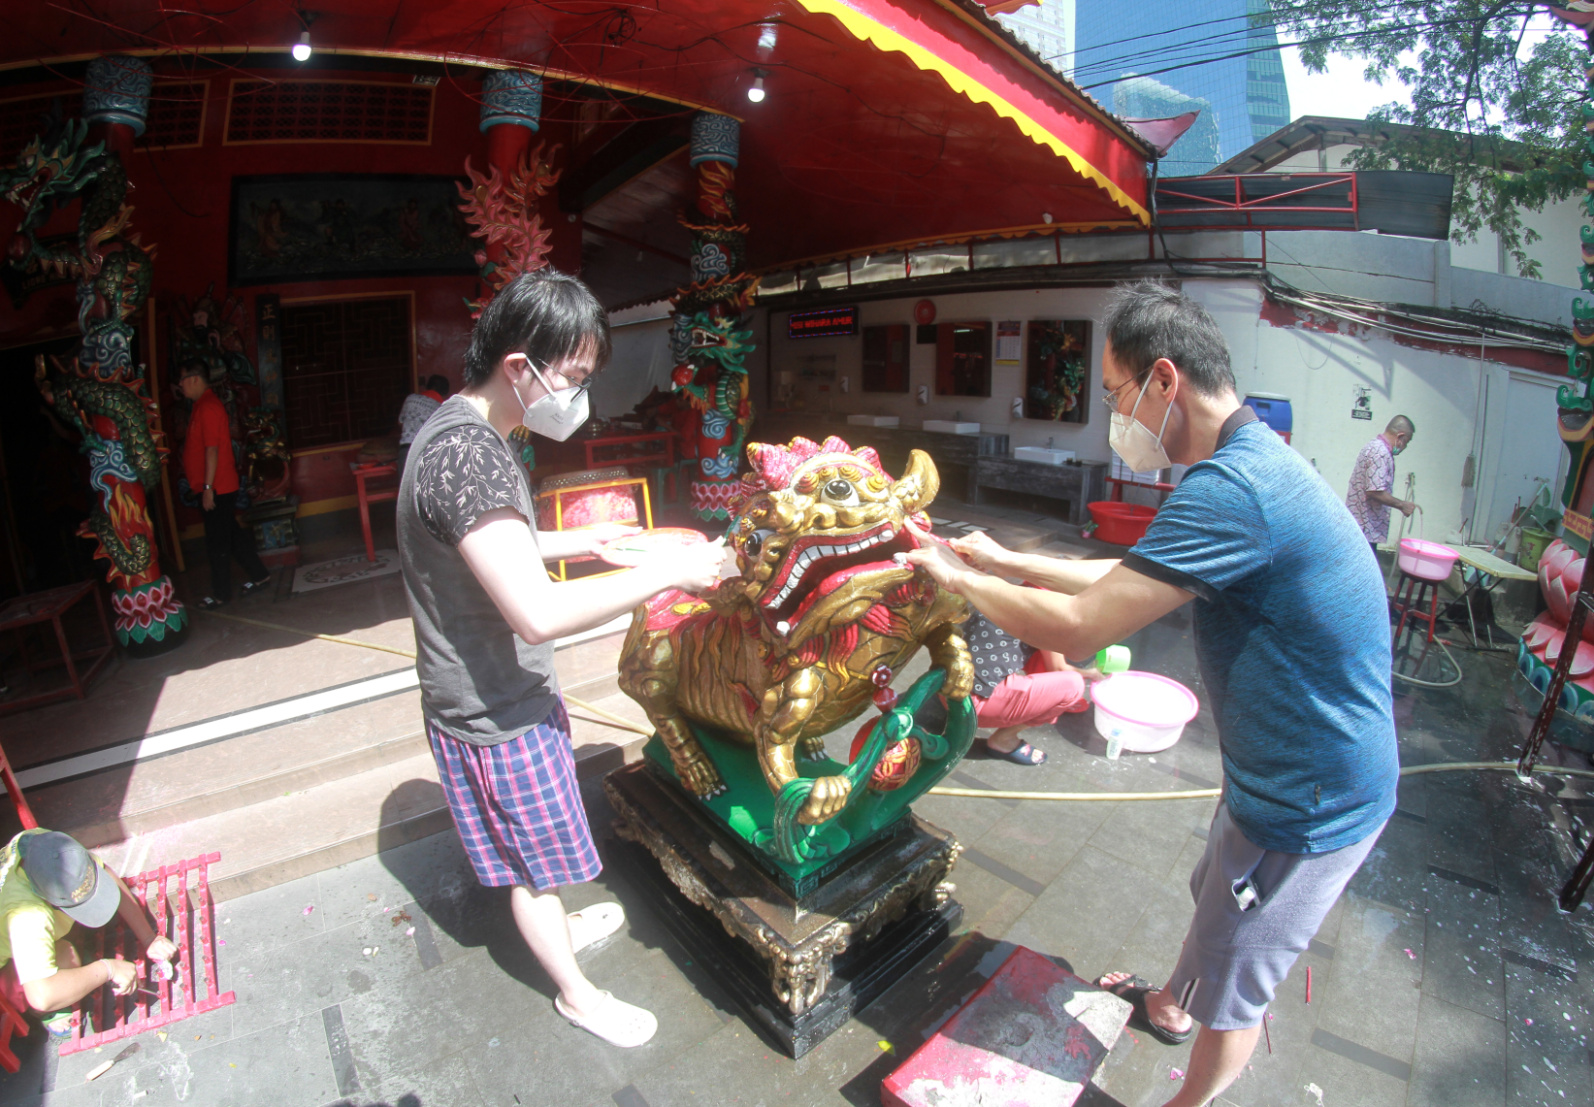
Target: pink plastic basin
[(1426, 560), (1142, 712)]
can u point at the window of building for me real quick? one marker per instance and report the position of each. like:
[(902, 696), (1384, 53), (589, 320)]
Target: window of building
[(347, 366)]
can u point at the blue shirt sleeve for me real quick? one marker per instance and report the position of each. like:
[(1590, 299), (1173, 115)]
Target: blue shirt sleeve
[(1209, 536)]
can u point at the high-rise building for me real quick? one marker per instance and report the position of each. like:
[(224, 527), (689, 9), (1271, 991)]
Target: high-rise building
[(1147, 61), (1046, 27)]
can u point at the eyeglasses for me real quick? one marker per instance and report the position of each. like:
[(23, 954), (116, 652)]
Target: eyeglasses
[(1111, 398), (582, 385)]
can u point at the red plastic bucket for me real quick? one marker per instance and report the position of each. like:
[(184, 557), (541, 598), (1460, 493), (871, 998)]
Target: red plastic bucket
[(1119, 523)]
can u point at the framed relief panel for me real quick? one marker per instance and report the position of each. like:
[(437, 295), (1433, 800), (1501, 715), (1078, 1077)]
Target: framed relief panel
[(1057, 371)]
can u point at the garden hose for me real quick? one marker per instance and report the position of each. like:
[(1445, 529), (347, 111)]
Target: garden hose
[(970, 793), (570, 701), (1213, 793)]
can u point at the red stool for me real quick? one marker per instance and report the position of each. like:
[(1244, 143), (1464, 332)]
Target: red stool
[(369, 496), (1409, 599)]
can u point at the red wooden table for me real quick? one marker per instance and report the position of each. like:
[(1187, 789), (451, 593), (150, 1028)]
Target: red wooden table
[(48, 607), (369, 496)]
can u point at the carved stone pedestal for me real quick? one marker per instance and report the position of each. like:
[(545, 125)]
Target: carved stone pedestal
[(798, 967)]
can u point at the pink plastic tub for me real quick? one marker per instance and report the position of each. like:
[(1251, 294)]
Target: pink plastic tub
[(1426, 560), (1142, 712)]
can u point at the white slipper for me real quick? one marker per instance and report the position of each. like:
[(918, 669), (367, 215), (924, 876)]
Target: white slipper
[(615, 1021), (593, 924)]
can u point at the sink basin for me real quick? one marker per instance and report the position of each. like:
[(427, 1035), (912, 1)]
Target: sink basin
[(946, 426), (1043, 455), (874, 420)]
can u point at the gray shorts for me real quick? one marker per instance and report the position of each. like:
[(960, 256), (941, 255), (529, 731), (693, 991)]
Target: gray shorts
[(1235, 956)]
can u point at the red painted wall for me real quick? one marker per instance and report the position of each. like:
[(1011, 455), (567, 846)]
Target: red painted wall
[(181, 204)]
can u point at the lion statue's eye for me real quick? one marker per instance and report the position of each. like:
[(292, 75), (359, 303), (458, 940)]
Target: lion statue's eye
[(841, 492), (753, 544)]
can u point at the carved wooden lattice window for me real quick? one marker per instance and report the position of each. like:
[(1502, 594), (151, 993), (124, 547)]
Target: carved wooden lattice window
[(176, 116), (329, 111), (347, 366)]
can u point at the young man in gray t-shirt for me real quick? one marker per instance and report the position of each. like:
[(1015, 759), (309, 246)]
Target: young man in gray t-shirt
[(486, 617)]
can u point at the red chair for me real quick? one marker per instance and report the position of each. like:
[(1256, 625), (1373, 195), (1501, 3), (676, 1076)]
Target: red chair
[(369, 496)]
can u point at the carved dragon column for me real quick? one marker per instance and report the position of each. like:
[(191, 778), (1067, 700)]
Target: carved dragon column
[(502, 205), (101, 391), (708, 342)]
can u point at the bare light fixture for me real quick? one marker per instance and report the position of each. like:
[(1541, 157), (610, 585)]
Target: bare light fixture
[(755, 92), (301, 49)]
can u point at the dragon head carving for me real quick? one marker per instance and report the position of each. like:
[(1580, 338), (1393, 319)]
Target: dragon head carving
[(817, 528)]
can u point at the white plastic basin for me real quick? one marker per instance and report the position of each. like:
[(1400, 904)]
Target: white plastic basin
[(1043, 455), (1142, 712), (874, 420), (946, 426)]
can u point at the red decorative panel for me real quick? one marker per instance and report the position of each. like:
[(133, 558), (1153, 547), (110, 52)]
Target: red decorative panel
[(329, 111), (347, 366)]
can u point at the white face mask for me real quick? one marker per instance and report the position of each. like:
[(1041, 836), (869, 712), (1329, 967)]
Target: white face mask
[(554, 415), (1133, 441)]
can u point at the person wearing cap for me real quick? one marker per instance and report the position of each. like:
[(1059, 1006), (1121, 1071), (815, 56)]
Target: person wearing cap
[(48, 884)]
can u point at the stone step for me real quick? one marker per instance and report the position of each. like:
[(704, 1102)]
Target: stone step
[(126, 801), (281, 837)]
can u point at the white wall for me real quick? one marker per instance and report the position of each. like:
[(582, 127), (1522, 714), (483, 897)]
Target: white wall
[(1460, 405), (994, 414)]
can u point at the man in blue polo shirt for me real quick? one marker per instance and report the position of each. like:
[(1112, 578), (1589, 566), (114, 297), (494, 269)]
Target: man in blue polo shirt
[(1292, 636)]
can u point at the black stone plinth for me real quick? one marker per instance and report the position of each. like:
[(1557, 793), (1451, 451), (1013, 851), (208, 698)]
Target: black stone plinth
[(799, 968)]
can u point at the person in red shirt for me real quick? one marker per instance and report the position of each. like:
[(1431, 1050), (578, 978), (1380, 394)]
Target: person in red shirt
[(208, 465)]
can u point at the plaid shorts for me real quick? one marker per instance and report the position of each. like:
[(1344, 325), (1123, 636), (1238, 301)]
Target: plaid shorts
[(517, 806)]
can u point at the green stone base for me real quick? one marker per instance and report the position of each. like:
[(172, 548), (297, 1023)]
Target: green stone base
[(746, 808)]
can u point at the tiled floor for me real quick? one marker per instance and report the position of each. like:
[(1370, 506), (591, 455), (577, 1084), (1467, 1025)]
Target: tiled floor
[(1445, 976)]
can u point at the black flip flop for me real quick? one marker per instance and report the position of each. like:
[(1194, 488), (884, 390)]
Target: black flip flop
[(1135, 990), (1021, 754)]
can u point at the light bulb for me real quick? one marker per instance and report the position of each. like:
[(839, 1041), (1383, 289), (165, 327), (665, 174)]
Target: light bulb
[(301, 49), (756, 93)]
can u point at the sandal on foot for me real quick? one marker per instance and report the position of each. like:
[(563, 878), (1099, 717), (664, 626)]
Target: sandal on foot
[(1021, 754), (210, 603), (1135, 990), (593, 924), (252, 586), (615, 1021)]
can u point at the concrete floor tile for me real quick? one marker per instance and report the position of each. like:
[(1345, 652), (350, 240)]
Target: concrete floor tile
[(1150, 836), (1345, 1081), (448, 1083), (1082, 914), (284, 1064), (1459, 1059), (1461, 961), (735, 1068), (1371, 994), (1151, 949), (1547, 1038), (1041, 839), (402, 1028), (1460, 838), (990, 903), (1396, 871), (967, 819), (1139, 1071), (266, 920)]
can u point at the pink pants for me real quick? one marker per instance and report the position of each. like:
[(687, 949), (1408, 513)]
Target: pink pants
[(1031, 698)]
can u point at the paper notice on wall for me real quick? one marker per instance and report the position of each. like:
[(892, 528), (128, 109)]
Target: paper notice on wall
[(1008, 348)]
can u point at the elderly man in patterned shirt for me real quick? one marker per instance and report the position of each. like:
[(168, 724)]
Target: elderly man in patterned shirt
[(1373, 478)]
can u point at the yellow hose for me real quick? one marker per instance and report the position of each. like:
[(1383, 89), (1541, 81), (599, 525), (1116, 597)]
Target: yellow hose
[(571, 701), (969, 793), (1212, 793)]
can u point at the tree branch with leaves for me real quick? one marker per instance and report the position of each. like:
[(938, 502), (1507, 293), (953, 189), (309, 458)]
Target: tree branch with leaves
[(1505, 123)]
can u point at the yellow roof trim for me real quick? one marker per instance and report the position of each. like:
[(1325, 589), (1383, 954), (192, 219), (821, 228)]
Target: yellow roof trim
[(882, 37)]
